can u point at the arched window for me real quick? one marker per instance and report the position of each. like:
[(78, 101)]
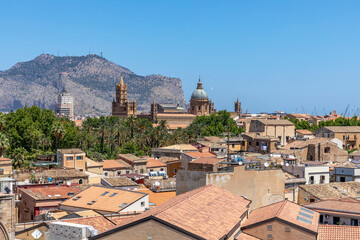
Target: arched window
[(80, 181)]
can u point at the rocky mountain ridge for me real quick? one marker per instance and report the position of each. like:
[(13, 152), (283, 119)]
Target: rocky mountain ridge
[(89, 79)]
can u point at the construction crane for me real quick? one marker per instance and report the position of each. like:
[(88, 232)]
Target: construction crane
[(346, 110)]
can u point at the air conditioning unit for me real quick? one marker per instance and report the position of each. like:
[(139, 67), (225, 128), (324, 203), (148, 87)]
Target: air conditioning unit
[(306, 198)]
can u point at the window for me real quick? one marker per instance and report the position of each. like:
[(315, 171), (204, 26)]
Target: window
[(354, 222), (243, 143), (327, 150), (106, 174), (91, 203), (269, 227), (311, 158), (342, 179), (161, 169), (114, 194), (257, 143), (322, 179), (127, 172), (321, 220), (311, 180), (175, 170), (80, 181), (104, 193), (232, 145), (123, 205), (205, 107), (199, 108), (269, 236), (312, 199), (79, 157), (141, 170), (287, 229), (336, 220), (119, 173), (143, 204), (193, 108), (69, 158), (1, 171), (344, 137)]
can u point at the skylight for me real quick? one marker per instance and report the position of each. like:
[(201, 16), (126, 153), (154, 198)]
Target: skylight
[(152, 204), (76, 198), (305, 215), (113, 194), (91, 203), (307, 210), (123, 205), (104, 193), (303, 220)]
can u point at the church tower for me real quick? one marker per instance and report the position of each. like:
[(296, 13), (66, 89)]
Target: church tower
[(238, 109), (121, 106), (154, 111)]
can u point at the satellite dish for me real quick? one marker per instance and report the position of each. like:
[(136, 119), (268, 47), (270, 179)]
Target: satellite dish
[(240, 163), (282, 163), (287, 164), (349, 159), (331, 162), (68, 183), (157, 184), (266, 164), (27, 181)]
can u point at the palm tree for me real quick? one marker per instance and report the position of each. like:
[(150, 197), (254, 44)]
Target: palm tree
[(18, 156), (2, 121), (4, 143), (59, 131)]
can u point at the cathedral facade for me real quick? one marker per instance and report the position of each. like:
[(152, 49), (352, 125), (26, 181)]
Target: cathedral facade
[(121, 106)]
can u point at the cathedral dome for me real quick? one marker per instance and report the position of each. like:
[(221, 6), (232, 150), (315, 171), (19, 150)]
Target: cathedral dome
[(199, 93)]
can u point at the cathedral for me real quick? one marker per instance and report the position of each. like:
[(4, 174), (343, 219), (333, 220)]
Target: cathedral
[(121, 106), (199, 102)]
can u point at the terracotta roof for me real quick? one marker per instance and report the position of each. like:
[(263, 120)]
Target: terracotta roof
[(4, 159), (286, 211), (183, 147), (54, 174), (303, 144), (111, 165), (343, 129), (304, 131), (78, 123), (244, 236), (120, 181), (275, 122), (168, 159), (335, 205), (50, 192), (71, 151), (90, 163), (333, 190), (199, 154), (108, 202), (153, 163), (214, 139), (207, 160), (218, 208), (338, 232), (129, 157), (117, 219), (157, 198), (100, 223), (347, 164)]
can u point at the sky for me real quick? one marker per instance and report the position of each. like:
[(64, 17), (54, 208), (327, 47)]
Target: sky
[(293, 56)]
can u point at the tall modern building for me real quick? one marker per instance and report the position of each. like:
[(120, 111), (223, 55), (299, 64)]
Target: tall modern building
[(65, 105)]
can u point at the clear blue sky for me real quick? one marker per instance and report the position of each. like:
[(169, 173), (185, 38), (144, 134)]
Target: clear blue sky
[(273, 55)]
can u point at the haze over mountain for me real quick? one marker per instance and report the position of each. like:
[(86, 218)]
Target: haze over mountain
[(89, 79)]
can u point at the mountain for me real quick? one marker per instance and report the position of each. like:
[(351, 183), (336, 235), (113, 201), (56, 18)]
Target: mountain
[(89, 79)]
